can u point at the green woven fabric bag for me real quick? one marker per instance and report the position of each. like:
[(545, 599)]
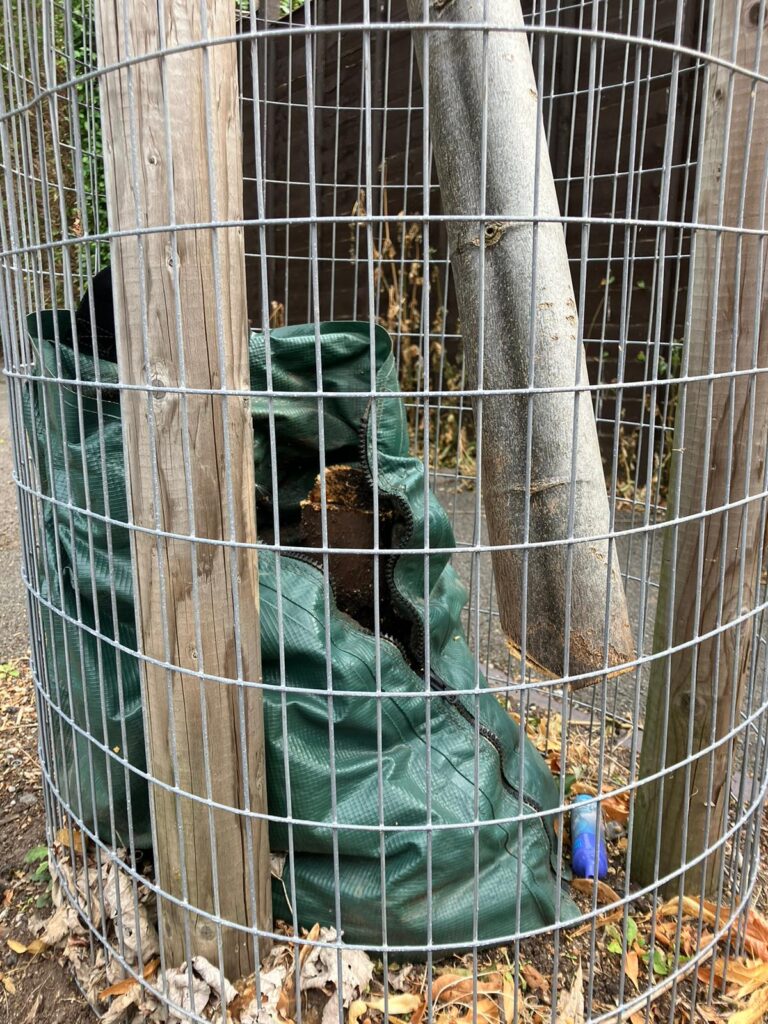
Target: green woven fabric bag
[(439, 744)]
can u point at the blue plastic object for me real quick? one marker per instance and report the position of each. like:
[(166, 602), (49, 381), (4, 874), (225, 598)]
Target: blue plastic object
[(585, 830)]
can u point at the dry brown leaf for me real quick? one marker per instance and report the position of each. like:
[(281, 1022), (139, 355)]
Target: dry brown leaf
[(404, 1002), (8, 985), (73, 841), (450, 988), (118, 989), (38, 946), (616, 807), (754, 1011), (605, 894), (709, 1013), (631, 966), (744, 976), (533, 979), (487, 1010), (756, 930), (508, 998), (356, 1010), (601, 922), (570, 1005), (286, 1001), (16, 946)]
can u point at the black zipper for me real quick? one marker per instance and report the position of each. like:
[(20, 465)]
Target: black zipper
[(418, 630)]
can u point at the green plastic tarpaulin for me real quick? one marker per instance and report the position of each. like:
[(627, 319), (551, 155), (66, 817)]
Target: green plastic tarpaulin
[(456, 751)]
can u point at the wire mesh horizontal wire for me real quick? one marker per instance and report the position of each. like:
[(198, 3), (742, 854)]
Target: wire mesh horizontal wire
[(345, 223)]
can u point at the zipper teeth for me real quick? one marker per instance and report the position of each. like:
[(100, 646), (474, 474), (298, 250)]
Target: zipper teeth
[(452, 696), (435, 683), (408, 608)]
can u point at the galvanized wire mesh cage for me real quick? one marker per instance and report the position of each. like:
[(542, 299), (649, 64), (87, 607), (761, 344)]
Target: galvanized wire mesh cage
[(418, 785)]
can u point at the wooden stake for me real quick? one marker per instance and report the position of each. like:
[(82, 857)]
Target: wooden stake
[(710, 572), (204, 737), (530, 339)]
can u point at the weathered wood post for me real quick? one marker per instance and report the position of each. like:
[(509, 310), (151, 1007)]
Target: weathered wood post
[(710, 571), (204, 737), (530, 341)]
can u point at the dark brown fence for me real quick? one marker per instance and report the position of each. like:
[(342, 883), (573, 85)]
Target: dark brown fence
[(616, 116)]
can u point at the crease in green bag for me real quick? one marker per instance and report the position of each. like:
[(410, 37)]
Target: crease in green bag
[(504, 883)]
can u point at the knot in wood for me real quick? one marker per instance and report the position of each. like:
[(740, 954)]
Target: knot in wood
[(492, 232)]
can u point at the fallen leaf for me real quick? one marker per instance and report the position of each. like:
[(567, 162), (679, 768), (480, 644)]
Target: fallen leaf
[(38, 946), (399, 979), (178, 981), (451, 988), (212, 976), (631, 966), (605, 894), (754, 1011), (401, 1003), (508, 998), (121, 987), (600, 922), (616, 807), (356, 1010), (534, 979), (8, 985), (118, 989), (16, 946), (72, 840), (118, 1006), (755, 931), (708, 1013), (487, 1010), (570, 1005)]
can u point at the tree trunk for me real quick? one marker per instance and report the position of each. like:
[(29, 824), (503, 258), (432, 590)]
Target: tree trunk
[(555, 612), (710, 571), (197, 603)]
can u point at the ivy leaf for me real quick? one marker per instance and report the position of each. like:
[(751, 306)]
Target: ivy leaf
[(37, 853)]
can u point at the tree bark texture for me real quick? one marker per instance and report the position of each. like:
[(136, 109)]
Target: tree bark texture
[(204, 737), (710, 572), (526, 313)]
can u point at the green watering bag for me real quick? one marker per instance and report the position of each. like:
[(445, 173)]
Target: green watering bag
[(453, 750)]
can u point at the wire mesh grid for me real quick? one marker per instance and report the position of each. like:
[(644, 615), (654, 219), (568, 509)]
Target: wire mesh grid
[(395, 845)]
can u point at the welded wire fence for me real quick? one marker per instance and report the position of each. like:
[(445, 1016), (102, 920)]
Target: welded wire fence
[(423, 746)]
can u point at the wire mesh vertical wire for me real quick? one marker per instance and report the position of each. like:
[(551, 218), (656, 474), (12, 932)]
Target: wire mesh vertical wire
[(344, 222)]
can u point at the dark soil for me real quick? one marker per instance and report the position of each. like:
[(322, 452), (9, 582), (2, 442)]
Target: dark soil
[(33, 989)]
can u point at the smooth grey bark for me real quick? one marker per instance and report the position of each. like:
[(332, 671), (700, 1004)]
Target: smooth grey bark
[(558, 616)]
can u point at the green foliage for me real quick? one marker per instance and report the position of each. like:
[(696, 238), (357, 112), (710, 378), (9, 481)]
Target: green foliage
[(9, 670), (76, 43), (36, 854)]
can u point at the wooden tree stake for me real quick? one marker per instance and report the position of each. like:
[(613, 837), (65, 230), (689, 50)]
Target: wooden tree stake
[(710, 573), (213, 732)]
